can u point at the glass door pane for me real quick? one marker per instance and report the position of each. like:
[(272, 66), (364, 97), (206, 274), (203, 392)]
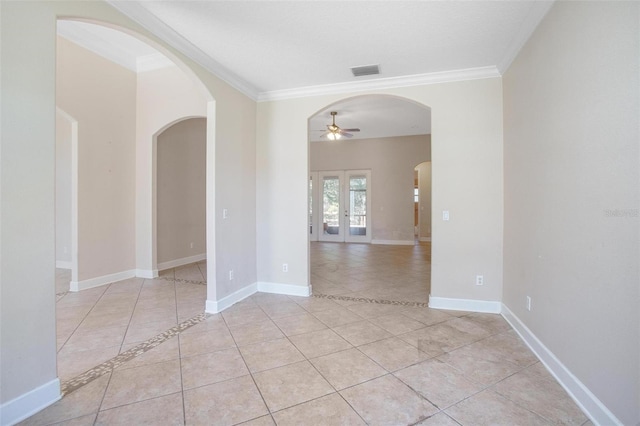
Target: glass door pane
[(358, 208), (357, 205), (331, 207), (313, 206)]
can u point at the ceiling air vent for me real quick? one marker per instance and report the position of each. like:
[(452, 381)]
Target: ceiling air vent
[(365, 70)]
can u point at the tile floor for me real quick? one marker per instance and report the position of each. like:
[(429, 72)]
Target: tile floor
[(274, 359)]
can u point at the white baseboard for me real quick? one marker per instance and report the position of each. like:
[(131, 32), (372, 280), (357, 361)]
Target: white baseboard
[(215, 306), (63, 264), (180, 262), (98, 281), (395, 242), (425, 239), (288, 289), (586, 400), (147, 273), (28, 404), (470, 305)]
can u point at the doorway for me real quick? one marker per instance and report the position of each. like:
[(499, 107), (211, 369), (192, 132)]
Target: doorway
[(394, 134), (344, 206)]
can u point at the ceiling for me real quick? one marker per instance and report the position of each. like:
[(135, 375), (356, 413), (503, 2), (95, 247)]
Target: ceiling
[(273, 49), (284, 49), (376, 116)]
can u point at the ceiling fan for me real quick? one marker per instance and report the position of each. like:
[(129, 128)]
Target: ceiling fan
[(334, 132)]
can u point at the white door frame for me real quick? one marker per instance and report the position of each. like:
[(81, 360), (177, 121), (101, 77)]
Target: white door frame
[(318, 224), (366, 238)]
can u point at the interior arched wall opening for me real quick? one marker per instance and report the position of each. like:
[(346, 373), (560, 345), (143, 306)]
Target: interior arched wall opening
[(372, 163)]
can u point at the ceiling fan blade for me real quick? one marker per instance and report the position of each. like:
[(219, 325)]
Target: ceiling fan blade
[(351, 130), (345, 134)]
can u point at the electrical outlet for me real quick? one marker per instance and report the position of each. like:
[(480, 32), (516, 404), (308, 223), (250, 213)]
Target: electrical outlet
[(285, 267), (479, 280), (225, 213), (230, 275), (191, 245), (528, 303)]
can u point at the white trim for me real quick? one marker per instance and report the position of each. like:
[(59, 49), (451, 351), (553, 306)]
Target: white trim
[(152, 62), (79, 35), (488, 306), (288, 289), (537, 12), (64, 264), (183, 261), (395, 242), (425, 239), (381, 83), (586, 400), (215, 306), (98, 281), (167, 34), (28, 404), (147, 273)]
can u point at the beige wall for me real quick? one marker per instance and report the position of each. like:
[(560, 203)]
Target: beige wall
[(392, 162), (466, 150), (424, 197), (63, 188), (163, 97), (571, 108), (101, 96), (27, 187), (181, 190)]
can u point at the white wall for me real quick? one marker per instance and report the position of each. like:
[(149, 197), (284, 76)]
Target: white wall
[(571, 108), (27, 187), (392, 162), (63, 190), (181, 190), (163, 97), (466, 150), (100, 95)]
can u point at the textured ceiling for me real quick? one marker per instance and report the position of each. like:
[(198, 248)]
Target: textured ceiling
[(376, 116), (271, 46)]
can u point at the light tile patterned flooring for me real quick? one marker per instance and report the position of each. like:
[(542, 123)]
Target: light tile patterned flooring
[(274, 359)]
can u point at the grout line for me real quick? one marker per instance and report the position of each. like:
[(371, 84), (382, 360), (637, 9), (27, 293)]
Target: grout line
[(184, 408)]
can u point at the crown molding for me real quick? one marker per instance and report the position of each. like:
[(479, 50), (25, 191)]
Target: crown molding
[(167, 34), (382, 83), (537, 12)]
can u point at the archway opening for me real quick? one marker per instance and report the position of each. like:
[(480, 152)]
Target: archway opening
[(114, 193), (361, 189)]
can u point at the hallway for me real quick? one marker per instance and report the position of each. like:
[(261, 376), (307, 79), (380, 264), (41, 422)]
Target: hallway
[(360, 352)]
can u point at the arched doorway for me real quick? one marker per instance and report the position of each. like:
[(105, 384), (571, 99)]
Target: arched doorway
[(115, 183), (390, 134)]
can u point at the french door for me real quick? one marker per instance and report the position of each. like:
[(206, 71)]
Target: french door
[(342, 200)]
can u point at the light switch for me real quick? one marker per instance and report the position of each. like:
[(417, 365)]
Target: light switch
[(445, 215)]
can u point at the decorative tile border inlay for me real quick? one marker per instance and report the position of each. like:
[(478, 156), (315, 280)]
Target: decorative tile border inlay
[(115, 362), (378, 301), (181, 280)]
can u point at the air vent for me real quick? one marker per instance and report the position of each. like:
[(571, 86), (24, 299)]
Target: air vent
[(365, 70)]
